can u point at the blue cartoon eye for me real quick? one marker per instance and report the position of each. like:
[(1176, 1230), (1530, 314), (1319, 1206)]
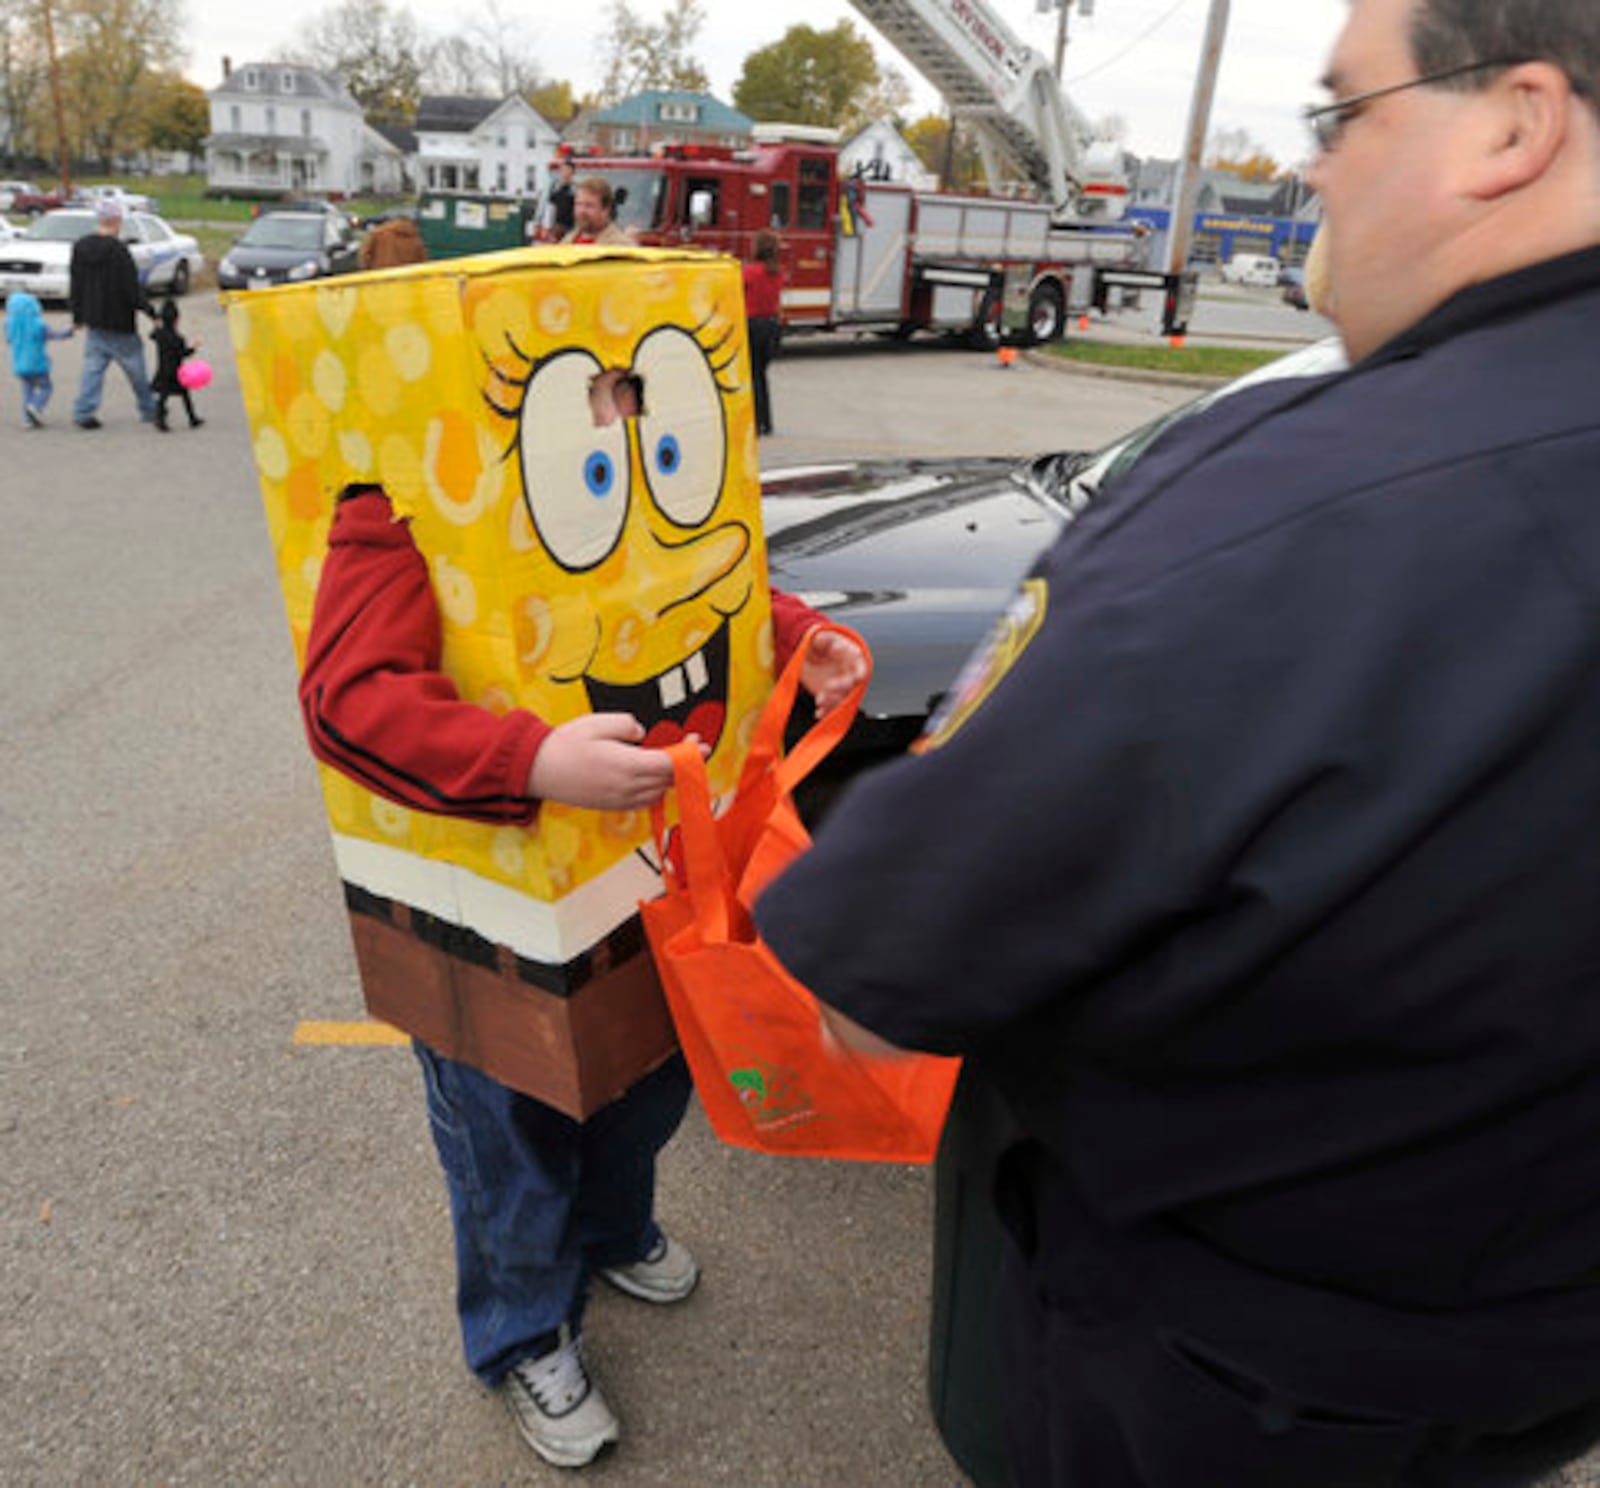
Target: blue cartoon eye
[(576, 478), (684, 433), (600, 474)]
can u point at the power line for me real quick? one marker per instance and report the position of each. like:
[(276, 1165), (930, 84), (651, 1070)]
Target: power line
[(1137, 41)]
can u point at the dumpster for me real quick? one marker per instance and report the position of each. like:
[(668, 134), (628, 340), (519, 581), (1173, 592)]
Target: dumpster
[(455, 223), (968, 1239)]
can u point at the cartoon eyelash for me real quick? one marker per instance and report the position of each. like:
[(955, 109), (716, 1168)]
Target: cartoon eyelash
[(712, 348)]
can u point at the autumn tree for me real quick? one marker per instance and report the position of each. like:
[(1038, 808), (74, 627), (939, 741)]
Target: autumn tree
[(24, 84), (112, 53), (958, 166), (1239, 153), (375, 48), (636, 54), (809, 76), (178, 116), (554, 101)]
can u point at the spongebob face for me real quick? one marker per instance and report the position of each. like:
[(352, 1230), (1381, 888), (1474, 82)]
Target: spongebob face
[(566, 433), (623, 471)]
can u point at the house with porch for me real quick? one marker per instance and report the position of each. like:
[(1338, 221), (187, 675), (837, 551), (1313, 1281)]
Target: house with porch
[(638, 124), (281, 129)]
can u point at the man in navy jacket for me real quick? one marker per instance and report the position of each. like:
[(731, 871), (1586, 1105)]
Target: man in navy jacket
[(1257, 868)]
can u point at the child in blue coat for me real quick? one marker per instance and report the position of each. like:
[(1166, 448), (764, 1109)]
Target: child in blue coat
[(27, 333)]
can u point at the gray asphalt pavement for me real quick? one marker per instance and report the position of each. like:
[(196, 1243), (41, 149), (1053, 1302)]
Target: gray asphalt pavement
[(227, 1259)]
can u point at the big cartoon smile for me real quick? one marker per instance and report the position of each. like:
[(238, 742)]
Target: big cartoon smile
[(689, 698)]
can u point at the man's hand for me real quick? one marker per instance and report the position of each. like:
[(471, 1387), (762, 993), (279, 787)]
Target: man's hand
[(833, 665), (596, 761)]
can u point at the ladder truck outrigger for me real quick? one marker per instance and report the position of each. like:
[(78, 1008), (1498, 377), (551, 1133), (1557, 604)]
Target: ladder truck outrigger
[(888, 257)]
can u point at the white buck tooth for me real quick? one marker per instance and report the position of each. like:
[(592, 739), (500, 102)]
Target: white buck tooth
[(699, 676), (673, 691)]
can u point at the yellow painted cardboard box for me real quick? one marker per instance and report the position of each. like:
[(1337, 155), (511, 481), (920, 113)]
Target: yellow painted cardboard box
[(577, 568)]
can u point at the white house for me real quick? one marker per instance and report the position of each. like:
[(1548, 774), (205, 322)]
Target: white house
[(477, 144), (880, 153), (276, 127)]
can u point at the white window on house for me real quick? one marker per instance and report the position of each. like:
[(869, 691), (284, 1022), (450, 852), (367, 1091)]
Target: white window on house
[(252, 79), (286, 82), (305, 122), (272, 119), (235, 124), (500, 139), (502, 177), (531, 182), (624, 140), (679, 113)]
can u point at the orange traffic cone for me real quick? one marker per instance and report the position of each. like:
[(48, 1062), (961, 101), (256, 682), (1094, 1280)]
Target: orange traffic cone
[(1083, 322), (1007, 355), (1175, 342)]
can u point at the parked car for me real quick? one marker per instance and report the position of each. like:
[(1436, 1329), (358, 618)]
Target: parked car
[(285, 247), (28, 201), (11, 190), (1259, 269), (922, 556), (130, 201), (38, 259), (305, 204)]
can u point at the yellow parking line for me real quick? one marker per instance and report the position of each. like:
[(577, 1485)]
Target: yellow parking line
[(363, 1035)]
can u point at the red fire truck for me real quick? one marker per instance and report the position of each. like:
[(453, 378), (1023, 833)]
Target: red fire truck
[(872, 255)]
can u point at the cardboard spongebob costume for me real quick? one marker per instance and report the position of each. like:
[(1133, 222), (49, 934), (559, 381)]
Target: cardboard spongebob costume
[(578, 568)]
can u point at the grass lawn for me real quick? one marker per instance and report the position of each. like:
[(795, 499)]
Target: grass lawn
[(1202, 361)]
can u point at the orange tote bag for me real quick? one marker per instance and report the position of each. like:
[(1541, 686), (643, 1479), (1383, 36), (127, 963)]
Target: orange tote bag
[(768, 1075)]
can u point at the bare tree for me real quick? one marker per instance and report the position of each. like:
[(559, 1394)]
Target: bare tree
[(636, 54), (375, 47)]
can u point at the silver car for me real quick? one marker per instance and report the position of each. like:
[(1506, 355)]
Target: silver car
[(38, 259)]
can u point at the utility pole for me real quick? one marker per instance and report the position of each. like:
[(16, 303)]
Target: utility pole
[(62, 151), (1205, 92)]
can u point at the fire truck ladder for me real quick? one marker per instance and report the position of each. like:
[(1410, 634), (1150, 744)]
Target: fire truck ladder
[(1007, 92)]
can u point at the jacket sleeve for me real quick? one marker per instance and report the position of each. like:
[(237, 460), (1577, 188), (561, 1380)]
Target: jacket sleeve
[(792, 620), (377, 705)]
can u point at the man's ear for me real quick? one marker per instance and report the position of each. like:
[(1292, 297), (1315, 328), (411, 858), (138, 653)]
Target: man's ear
[(1526, 123)]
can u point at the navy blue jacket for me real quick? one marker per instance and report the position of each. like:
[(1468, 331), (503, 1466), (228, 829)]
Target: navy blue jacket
[(1266, 883)]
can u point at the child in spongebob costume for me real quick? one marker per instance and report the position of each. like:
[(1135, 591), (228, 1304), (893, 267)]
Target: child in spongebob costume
[(517, 521)]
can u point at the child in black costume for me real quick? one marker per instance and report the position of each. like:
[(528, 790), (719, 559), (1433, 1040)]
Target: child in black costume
[(171, 349)]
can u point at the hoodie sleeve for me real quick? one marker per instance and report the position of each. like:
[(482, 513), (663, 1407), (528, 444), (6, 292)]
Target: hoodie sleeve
[(376, 704)]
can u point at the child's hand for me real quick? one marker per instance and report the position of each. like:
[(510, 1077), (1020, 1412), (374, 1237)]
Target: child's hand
[(834, 664), (596, 761)]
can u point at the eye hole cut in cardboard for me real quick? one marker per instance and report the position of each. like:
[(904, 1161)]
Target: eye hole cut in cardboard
[(614, 395)]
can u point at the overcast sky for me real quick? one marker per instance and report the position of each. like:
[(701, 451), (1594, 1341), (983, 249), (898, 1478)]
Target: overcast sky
[(1133, 58)]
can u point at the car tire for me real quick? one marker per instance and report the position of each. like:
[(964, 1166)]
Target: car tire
[(1047, 314), (180, 278)]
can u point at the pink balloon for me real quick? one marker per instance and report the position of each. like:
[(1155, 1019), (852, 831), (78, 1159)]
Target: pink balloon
[(194, 373)]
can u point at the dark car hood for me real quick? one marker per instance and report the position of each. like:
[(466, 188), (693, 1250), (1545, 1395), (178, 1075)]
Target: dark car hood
[(918, 556), (246, 258)]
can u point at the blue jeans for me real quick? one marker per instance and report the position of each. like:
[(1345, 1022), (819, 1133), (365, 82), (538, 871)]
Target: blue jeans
[(36, 390), (100, 349), (540, 1201)]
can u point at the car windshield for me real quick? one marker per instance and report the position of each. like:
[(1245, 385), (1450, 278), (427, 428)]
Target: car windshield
[(279, 230), (1073, 480), (642, 194), (66, 227)]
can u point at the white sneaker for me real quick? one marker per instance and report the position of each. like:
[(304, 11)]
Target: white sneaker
[(667, 1274), (556, 1406)]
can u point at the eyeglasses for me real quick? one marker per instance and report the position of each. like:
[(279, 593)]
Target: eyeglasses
[(1327, 123)]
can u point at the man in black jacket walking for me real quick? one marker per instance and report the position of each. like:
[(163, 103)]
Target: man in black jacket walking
[(105, 292)]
